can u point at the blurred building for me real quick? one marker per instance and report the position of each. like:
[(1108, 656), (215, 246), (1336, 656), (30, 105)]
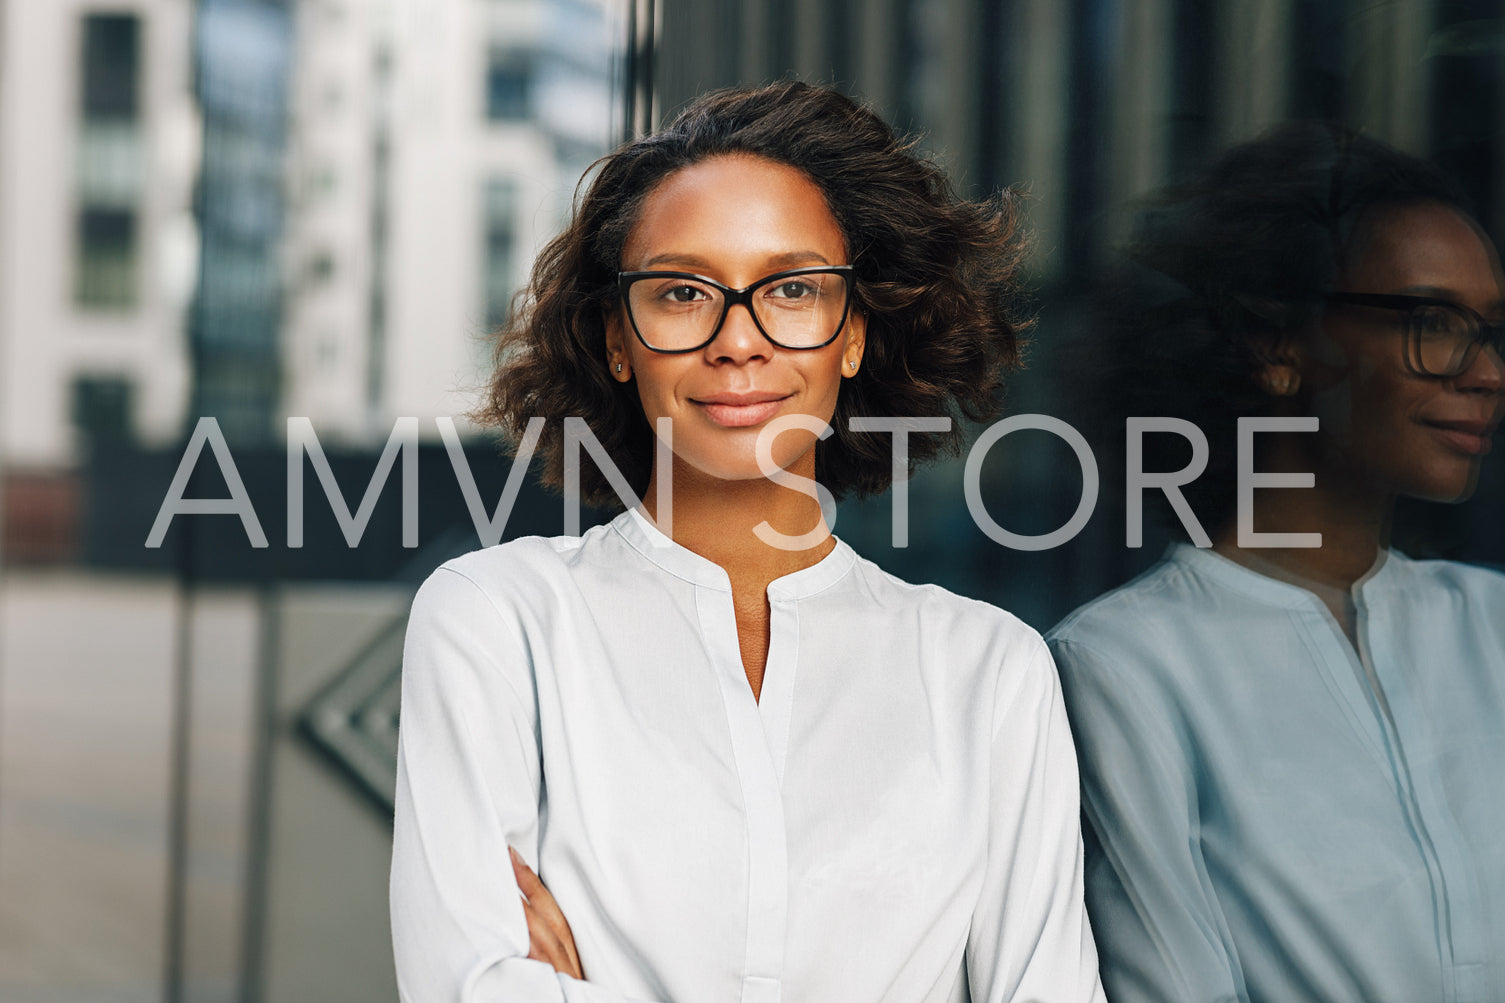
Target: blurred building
[(250, 209), (243, 64), (433, 149), (99, 146)]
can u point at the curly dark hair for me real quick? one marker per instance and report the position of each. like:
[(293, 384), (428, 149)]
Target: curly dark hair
[(935, 278), (1216, 268)]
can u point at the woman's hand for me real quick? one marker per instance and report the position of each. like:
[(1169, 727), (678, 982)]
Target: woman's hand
[(549, 937)]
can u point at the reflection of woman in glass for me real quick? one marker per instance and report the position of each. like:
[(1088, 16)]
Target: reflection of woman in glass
[(747, 764), (1291, 753)]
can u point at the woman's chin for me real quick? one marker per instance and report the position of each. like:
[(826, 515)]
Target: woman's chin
[(730, 472), (1454, 494), (1450, 484)]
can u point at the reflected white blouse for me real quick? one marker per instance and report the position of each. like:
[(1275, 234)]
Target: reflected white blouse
[(1279, 815), (895, 820)]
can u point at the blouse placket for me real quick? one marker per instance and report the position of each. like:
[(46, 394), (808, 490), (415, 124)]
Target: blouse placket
[(758, 729), (1391, 725)]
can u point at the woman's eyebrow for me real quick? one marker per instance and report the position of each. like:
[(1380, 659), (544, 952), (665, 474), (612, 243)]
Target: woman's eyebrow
[(784, 259), (1430, 292), (792, 259)]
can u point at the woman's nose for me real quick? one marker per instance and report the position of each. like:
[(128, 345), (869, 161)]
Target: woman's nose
[(1486, 374), (739, 339)]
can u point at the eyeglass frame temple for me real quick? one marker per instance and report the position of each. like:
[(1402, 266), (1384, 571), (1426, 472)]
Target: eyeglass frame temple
[(731, 297)]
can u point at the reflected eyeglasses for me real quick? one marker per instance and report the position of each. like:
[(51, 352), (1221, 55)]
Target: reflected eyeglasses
[(1443, 338)]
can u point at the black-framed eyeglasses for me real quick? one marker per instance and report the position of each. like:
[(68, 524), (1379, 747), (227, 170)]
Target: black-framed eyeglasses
[(1443, 338), (799, 309)]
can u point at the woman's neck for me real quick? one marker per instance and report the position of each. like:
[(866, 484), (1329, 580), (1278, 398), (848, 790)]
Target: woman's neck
[(719, 520), (1354, 526), (1353, 520)]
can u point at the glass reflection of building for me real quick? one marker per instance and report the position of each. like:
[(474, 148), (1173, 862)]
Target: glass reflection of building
[(1087, 106)]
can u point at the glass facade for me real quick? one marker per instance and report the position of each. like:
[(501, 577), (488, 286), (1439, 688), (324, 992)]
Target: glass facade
[(1089, 108)]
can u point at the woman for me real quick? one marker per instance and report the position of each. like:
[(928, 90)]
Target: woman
[(1291, 739), (746, 763)]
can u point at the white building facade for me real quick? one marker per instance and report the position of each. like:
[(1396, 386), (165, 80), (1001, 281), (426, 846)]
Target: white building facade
[(434, 149), (98, 154)]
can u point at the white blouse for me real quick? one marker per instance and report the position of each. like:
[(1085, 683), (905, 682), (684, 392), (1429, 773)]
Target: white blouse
[(895, 820)]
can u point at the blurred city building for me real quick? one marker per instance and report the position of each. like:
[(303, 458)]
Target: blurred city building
[(434, 148), (251, 209), (242, 62), (100, 143)]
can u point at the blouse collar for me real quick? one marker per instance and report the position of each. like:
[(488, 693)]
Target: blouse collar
[(643, 536), (1248, 582)]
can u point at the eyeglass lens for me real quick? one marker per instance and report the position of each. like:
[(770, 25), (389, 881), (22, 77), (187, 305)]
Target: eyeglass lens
[(796, 311), (1445, 341)]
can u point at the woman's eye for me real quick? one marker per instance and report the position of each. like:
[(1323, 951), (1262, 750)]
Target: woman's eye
[(1439, 321), (793, 289), (685, 294)]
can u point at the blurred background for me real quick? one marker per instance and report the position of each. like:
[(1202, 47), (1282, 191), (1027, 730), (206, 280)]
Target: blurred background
[(252, 210)]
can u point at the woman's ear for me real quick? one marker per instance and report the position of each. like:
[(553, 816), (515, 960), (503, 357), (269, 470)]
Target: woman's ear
[(617, 360), (856, 343)]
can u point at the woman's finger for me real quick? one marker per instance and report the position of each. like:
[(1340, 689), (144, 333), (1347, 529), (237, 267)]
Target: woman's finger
[(522, 872), (540, 904), (543, 945), (539, 896)]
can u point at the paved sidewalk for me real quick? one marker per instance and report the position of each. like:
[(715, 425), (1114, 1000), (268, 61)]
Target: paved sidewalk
[(86, 664)]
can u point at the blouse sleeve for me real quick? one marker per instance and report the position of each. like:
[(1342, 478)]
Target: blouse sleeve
[(1164, 934), (468, 787), (1030, 936)]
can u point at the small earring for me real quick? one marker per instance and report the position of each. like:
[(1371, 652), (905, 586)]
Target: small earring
[(851, 363), (1284, 383), (619, 367)]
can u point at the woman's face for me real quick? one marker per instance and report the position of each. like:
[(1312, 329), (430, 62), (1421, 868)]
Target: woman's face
[(1383, 426), (735, 219)]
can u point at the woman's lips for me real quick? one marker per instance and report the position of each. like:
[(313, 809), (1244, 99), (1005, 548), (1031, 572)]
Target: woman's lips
[(1468, 437), (740, 410)]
